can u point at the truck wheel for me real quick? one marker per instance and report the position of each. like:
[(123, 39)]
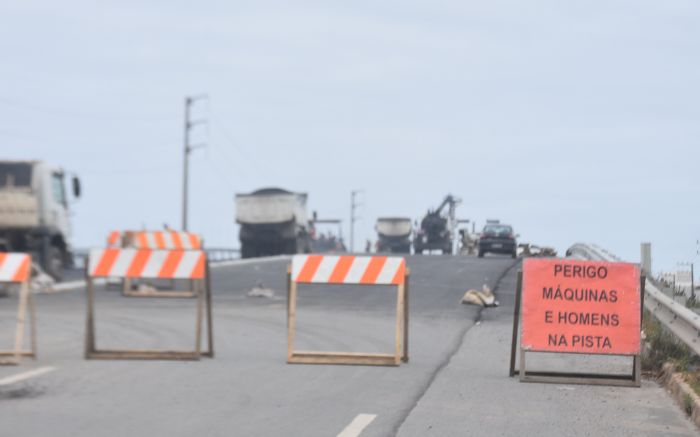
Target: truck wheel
[(481, 254), (514, 254), (55, 263), (247, 251)]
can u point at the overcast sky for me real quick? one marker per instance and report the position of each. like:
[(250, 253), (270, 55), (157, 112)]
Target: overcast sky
[(573, 121)]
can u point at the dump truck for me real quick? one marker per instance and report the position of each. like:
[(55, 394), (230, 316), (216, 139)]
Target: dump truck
[(394, 234), (273, 221), (437, 228), (34, 213)]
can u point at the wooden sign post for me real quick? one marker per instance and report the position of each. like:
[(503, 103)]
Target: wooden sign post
[(582, 307)]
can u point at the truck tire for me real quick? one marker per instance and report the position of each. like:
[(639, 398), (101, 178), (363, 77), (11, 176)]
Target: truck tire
[(55, 264), (247, 250), (481, 253), (291, 247)]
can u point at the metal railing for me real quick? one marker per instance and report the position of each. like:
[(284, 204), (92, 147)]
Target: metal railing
[(216, 254), (681, 321)]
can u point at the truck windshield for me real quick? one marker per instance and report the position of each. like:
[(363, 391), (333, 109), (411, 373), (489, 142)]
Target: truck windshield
[(15, 175)]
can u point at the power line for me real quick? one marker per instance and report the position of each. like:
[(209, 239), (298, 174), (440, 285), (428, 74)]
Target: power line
[(73, 114), (229, 139)]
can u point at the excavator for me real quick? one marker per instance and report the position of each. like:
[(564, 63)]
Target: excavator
[(437, 228)]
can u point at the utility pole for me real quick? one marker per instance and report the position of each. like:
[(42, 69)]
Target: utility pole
[(353, 218), (189, 124), (692, 278)]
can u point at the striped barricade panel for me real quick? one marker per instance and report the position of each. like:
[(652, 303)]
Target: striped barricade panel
[(14, 267), (114, 239), (146, 263), (165, 240), (348, 269)]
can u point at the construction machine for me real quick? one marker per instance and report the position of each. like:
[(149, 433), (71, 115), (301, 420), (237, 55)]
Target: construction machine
[(437, 228)]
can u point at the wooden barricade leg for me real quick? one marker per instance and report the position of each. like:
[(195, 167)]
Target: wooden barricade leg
[(405, 319), (198, 328), (399, 323), (291, 314), (21, 317), (210, 321), (90, 319), (32, 326)]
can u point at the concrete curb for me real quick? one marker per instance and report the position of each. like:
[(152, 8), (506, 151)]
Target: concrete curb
[(681, 392)]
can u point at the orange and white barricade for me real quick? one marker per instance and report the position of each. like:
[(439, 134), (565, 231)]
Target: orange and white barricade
[(151, 264), (114, 239), (15, 268), (159, 240), (168, 240), (349, 270)]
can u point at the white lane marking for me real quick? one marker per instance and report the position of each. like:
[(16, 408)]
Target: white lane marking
[(26, 375), (75, 285), (357, 425)]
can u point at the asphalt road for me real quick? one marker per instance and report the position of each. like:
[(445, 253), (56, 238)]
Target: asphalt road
[(249, 390)]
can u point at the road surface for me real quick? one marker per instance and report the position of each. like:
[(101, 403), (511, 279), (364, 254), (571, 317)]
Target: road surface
[(455, 383)]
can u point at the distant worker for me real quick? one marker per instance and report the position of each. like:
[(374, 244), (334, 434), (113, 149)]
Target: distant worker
[(368, 247)]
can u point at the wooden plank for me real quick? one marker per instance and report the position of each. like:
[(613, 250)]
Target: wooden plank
[(555, 379), (162, 293), (135, 354), (342, 358), (11, 353)]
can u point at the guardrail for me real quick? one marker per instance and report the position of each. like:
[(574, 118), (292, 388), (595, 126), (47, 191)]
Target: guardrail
[(215, 254), (681, 321)]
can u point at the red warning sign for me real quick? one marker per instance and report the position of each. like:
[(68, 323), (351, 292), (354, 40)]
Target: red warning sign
[(581, 306)]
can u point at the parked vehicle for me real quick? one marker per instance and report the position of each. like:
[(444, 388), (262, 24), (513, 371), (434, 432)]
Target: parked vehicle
[(498, 238), (34, 213), (394, 234)]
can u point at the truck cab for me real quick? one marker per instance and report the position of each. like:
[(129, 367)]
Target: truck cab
[(34, 212)]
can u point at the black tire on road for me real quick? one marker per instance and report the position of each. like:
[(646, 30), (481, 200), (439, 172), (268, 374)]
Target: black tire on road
[(247, 250), (481, 254), (55, 264)]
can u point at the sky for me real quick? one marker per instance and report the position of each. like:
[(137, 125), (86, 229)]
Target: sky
[(572, 121)]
